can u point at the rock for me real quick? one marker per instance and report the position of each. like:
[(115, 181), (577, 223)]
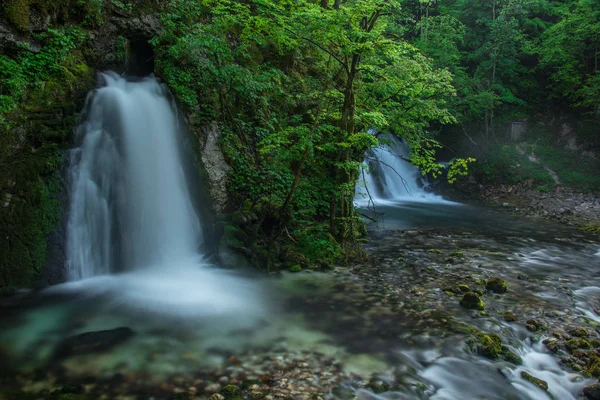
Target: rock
[(509, 317), (578, 332), (92, 342), (536, 381), (463, 288), (577, 343), (592, 392), (379, 386), (487, 345), (552, 344), (496, 285), (533, 325), (216, 396), (472, 301), (216, 167)]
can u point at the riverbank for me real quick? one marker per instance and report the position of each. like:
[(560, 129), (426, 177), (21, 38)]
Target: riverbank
[(560, 203)]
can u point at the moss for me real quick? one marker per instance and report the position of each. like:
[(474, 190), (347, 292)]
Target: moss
[(536, 381), (400, 259), (435, 251), (232, 392), (462, 288), (457, 254), (17, 12), (577, 343), (295, 268), (472, 301), (590, 228), (512, 357), (496, 285), (480, 282), (578, 332), (487, 345), (449, 293)]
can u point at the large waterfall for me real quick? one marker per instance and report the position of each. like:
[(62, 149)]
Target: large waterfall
[(130, 204), (133, 232), (390, 176)]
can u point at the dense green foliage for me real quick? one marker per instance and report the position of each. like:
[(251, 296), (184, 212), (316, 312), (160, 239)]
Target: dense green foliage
[(296, 87)]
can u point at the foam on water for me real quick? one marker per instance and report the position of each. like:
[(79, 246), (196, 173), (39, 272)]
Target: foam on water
[(390, 178)]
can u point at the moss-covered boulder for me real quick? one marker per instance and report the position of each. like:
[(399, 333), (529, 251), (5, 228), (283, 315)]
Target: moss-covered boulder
[(536, 381), (577, 343), (509, 317), (496, 285), (578, 332), (232, 392), (472, 301), (486, 345)]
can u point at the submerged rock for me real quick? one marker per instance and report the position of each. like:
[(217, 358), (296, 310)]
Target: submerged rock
[(509, 317), (536, 381), (592, 392), (472, 301), (496, 285), (92, 342)]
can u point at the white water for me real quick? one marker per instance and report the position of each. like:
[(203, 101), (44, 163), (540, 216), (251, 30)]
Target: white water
[(133, 233), (130, 203), (389, 177)]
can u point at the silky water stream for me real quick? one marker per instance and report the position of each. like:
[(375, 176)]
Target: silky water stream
[(146, 316)]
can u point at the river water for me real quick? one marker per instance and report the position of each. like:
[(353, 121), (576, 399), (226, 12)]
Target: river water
[(145, 316)]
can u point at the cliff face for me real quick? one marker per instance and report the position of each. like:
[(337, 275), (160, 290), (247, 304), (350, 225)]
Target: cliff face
[(49, 54)]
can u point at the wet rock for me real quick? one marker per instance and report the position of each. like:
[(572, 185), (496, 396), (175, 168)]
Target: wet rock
[(216, 396), (592, 392), (496, 285), (511, 356), (536, 381), (92, 342), (472, 301), (232, 392), (463, 288), (552, 344), (379, 386), (577, 343), (487, 345), (578, 332), (533, 325), (509, 317)]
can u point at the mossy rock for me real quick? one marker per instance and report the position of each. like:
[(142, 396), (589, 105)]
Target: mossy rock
[(496, 285), (533, 325), (232, 392), (512, 357), (457, 254), (578, 332), (462, 288), (577, 343), (472, 301), (435, 251), (509, 317), (536, 381), (486, 345), (296, 268), (17, 12)]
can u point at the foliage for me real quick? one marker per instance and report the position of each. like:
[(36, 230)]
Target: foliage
[(296, 87)]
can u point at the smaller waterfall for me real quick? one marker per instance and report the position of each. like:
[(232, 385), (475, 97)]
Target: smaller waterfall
[(390, 176)]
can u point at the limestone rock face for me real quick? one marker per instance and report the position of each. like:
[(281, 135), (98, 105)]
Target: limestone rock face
[(216, 167)]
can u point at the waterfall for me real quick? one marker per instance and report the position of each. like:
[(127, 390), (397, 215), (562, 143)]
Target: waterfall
[(130, 204), (389, 176)]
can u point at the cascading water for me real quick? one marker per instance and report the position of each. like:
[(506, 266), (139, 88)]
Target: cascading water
[(390, 176), (133, 233), (130, 203)]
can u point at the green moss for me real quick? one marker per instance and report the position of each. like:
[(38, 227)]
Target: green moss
[(578, 332), (577, 343), (462, 288), (590, 228), (232, 392), (486, 345), (295, 268), (536, 381), (17, 12), (435, 251), (512, 357), (496, 285), (472, 301), (457, 254)]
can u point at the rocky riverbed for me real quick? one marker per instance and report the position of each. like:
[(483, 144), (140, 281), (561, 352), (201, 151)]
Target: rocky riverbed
[(441, 313)]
